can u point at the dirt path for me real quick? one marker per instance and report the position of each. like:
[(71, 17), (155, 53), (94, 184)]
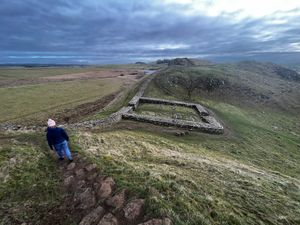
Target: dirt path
[(92, 199)]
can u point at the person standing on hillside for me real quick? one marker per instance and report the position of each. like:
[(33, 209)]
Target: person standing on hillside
[(58, 138)]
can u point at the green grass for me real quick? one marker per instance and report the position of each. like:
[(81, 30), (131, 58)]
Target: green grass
[(241, 87), (13, 73), (10, 73), (29, 181), (259, 134), (45, 99), (167, 111), (249, 175), (122, 100), (190, 182), (264, 138)]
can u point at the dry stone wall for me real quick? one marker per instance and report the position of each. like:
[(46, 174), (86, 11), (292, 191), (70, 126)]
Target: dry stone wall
[(201, 126), (134, 102), (209, 124)]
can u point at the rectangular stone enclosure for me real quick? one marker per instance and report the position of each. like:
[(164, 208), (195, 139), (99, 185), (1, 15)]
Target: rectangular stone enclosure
[(206, 122)]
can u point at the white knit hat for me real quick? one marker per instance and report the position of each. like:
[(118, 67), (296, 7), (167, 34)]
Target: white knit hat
[(51, 123)]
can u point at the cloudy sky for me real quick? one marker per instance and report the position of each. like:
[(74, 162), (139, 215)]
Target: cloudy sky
[(116, 31)]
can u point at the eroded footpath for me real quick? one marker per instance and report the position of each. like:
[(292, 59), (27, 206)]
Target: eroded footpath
[(94, 199)]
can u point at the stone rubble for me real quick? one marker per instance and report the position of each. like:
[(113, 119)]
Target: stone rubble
[(93, 217), (93, 201), (109, 219), (133, 210)]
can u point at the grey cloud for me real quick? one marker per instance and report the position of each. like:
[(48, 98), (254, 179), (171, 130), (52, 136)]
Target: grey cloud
[(97, 31)]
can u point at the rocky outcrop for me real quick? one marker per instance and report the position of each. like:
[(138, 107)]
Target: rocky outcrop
[(286, 73), (117, 201), (163, 61), (93, 217), (134, 209), (181, 62), (109, 219), (94, 201), (106, 188)]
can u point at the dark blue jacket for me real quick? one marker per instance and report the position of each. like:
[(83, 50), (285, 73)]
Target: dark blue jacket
[(56, 135)]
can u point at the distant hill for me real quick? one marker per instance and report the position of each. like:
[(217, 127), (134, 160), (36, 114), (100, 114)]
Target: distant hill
[(269, 69), (247, 83), (183, 62)]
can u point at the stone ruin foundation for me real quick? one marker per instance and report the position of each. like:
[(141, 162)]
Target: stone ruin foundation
[(207, 124)]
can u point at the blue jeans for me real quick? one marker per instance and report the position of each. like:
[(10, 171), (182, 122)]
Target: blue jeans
[(63, 149)]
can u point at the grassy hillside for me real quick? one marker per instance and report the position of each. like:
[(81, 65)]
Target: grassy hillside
[(198, 179), (249, 175), (231, 84), (29, 180)]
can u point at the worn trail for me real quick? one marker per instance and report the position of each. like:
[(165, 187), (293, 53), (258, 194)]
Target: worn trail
[(92, 199)]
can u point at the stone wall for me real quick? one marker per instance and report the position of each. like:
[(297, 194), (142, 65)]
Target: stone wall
[(214, 128), (111, 119), (134, 102), (209, 124), (199, 108)]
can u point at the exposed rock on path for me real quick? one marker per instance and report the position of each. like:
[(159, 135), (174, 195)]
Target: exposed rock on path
[(92, 200)]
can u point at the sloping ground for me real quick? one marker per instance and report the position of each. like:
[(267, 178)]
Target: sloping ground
[(269, 69), (253, 85), (36, 188), (29, 180), (250, 175), (191, 183), (93, 199)]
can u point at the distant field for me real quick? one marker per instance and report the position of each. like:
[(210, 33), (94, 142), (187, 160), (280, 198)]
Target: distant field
[(10, 73), (33, 94), (28, 101)]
